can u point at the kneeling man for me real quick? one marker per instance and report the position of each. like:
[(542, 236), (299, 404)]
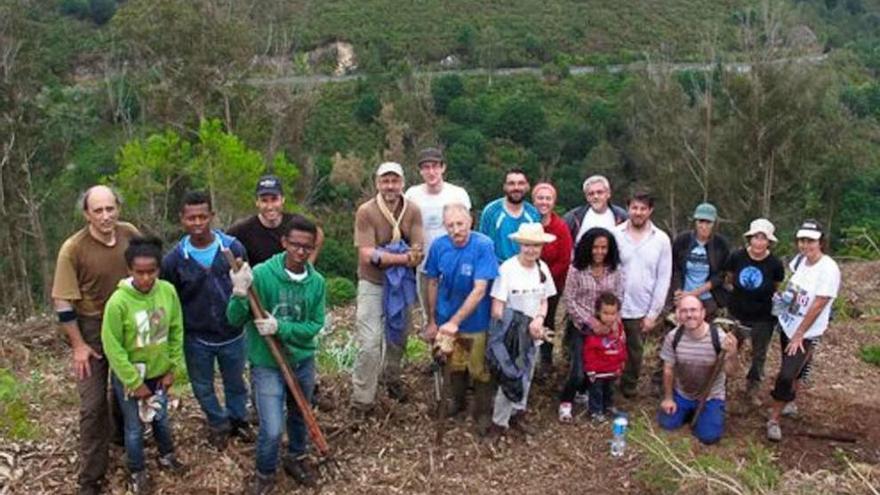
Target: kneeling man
[(690, 352)]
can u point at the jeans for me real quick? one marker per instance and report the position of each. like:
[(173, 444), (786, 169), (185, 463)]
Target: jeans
[(710, 424), (546, 349), (134, 429), (230, 358), (94, 409), (601, 395), (575, 382), (271, 395), (635, 348)]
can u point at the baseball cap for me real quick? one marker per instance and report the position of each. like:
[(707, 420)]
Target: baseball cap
[(430, 155), (269, 184), (761, 226), (809, 229), (389, 168), (706, 211)]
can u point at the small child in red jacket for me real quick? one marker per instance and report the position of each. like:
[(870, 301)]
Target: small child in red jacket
[(604, 355)]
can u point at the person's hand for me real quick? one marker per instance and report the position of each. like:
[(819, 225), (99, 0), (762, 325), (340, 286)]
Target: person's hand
[(729, 343), (167, 381), (668, 406), (430, 331), (795, 345), (677, 295), (536, 328), (241, 280), (648, 324), (142, 392), (415, 256), (267, 326), (449, 328), (82, 368)]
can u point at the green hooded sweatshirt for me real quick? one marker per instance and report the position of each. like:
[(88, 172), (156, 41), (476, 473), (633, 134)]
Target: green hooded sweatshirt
[(143, 328), (297, 305)]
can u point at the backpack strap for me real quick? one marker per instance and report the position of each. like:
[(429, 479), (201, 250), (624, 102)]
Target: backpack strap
[(713, 332), (541, 274), (679, 331)]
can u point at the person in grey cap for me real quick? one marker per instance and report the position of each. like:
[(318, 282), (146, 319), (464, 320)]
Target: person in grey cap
[(389, 240), (261, 233), (697, 258), (431, 197)]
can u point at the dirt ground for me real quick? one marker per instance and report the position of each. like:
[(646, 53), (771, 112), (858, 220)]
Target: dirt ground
[(394, 451)]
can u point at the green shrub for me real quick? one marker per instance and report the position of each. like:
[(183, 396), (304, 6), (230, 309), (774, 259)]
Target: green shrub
[(14, 421), (76, 8), (870, 354), (367, 108), (102, 10), (444, 89), (340, 291)]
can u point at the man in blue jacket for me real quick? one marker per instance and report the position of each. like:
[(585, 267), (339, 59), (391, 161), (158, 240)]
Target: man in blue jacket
[(199, 271)]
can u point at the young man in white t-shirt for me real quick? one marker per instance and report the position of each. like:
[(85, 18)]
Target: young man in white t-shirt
[(431, 197), (804, 318), (524, 284)]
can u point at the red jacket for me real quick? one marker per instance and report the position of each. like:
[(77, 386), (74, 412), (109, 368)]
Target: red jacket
[(557, 254), (605, 354)]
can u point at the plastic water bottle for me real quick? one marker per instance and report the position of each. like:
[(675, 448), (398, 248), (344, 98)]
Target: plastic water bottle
[(618, 441)]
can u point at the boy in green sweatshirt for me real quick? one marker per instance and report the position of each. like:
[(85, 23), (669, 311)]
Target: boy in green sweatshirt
[(292, 293), (142, 335)]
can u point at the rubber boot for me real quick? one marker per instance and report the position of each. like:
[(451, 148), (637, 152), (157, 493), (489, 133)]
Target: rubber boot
[(458, 383), (484, 395)]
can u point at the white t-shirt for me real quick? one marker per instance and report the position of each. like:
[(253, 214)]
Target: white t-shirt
[(593, 219), (808, 282), (521, 288), (431, 206)]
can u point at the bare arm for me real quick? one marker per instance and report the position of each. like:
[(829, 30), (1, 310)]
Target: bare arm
[(386, 259), (497, 308), (82, 352), (469, 305), (319, 243), (797, 340)]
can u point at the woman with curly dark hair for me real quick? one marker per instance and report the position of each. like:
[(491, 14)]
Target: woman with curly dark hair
[(594, 271)]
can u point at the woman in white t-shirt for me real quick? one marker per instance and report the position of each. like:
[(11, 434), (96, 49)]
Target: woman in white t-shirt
[(524, 284), (804, 309)]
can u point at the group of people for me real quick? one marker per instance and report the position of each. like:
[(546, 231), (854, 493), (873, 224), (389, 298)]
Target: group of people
[(140, 319)]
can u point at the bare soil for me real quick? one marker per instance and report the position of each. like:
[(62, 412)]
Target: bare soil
[(394, 450)]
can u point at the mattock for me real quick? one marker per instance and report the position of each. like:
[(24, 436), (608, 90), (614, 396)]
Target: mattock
[(326, 462)]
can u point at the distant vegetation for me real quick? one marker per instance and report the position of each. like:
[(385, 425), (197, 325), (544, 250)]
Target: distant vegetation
[(154, 97)]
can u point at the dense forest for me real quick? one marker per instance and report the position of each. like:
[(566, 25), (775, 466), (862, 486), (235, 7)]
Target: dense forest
[(775, 114)]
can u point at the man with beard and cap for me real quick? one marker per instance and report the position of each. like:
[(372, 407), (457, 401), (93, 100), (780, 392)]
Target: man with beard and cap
[(689, 354), (90, 264), (388, 236), (503, 216), (646, 264), (261, 234)]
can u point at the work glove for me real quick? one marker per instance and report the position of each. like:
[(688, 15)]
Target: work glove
[(267, 326), (241, 280)]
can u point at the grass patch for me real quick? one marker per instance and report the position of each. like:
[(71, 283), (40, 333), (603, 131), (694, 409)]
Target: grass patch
[(15, 422), (672, 467), (870, 354)]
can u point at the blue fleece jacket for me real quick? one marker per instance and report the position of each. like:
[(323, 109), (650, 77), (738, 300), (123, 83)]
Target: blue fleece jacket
[(204, 292)]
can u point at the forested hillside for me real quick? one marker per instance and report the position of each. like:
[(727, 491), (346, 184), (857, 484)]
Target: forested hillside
[(159, 96)]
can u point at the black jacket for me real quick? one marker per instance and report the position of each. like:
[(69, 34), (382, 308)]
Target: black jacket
[(716, 249), (574, 217)]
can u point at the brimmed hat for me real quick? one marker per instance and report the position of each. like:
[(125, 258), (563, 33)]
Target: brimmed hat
[(269, 184), (706, 211), (531, 233), (389, 168), (430, 155), (810, 229), (761, 226)]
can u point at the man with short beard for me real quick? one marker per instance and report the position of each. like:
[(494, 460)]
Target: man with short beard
[(503, 216), (689, 354), (388, 236), (261, 234), (90, 264), (646, 264)]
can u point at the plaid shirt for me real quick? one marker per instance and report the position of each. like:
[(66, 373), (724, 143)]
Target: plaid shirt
[(582, 289)]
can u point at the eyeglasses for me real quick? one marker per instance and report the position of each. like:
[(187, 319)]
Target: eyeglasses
[(303, 248)]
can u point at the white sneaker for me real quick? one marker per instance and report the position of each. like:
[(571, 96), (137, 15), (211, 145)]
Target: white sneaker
[(790, 409), (774, 432), (565, 412)]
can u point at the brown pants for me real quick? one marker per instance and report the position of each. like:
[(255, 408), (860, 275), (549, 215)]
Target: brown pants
[(95, 428)]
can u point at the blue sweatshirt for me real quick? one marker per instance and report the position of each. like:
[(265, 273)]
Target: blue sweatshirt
[(204, 292)]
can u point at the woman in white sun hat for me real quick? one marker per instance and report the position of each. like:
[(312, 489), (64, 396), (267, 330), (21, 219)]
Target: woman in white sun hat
[(755, 274), (804, 312), (524, 284)]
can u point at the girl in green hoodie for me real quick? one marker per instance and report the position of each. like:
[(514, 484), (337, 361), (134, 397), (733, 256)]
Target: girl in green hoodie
[(142, 335)]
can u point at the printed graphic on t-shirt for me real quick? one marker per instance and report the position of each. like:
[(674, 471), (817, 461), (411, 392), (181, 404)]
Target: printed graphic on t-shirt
[(152, 327), (751, 278), (291, 306), (467, 270), (798, 307)]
